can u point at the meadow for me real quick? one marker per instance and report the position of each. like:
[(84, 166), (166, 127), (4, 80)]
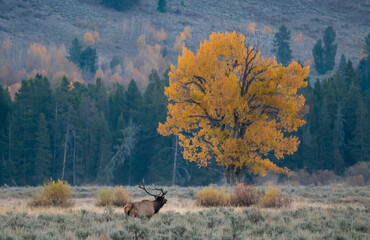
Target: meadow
[(317, 212)]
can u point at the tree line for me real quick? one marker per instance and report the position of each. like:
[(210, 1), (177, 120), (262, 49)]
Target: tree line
[(88, 133)]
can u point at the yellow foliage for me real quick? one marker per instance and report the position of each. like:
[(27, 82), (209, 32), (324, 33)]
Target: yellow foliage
[(96, 36), (228, 101), (121, 197), (252, 28), (99, 74), (37, 56), (53, 193), (274, 198), (298, 38), (35, 72), (13, 89), (141, 42), (116, 78), (309, 62), (157, 35), (7, 44), (267, 29), (105, 197), (180, 40), (89, 38), (210, 197)]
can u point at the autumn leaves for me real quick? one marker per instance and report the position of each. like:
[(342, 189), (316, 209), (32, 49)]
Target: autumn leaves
[(232, 105)]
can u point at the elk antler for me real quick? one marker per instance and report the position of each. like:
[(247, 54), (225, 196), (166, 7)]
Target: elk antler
[(160, 189), (155, 188), (143, 187)]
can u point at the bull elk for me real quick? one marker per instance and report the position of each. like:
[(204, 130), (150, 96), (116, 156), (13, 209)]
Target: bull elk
[(146, 207)]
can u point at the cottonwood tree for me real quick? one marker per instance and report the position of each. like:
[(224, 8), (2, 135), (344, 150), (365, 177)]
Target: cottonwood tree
[(230, 104)]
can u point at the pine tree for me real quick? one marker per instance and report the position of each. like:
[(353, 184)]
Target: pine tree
[(120, 5), (89, 59), (364, 65), (43, 151), (330, 49), (161, 6), (116, 104), (350, 110), (324, 56), (75, 52), (350, 76), (281, 44), (5, 111), (318, 55), (359, 144), (134, 103), (342, 65)]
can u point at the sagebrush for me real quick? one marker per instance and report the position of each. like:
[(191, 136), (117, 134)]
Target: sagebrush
[(210, 197), (53, 193)]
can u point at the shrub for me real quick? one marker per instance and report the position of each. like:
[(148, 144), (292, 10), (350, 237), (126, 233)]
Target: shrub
[(121, 197), (53, 194), (360, 168), (244, 195), (210, 197), (105, 197), (355, 181), (274, 198), (324, 177)]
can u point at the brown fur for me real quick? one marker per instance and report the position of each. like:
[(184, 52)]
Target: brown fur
[(144, 207)]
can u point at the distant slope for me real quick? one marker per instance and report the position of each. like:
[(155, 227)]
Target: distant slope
[(59, 21)]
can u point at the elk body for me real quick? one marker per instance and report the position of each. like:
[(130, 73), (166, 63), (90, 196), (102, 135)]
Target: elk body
[(146, 207)]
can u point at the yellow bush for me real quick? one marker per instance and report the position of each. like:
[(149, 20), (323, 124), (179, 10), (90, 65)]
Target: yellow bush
[(121, 197), (274, 198), (105, 197), (53, 194), (210, 197)]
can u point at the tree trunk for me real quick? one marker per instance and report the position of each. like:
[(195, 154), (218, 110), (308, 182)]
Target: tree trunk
[(233, 176), (54, 171), (74, 159), (65, 147), (129, 172), (10, 141), (174, 163)]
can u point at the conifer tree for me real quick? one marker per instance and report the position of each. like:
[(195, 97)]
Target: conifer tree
[(364, 65), (89, 59), (43, 151), (342, 65), (161, 6), (281, 44), (318, 56), (330, 48), (75, 52)]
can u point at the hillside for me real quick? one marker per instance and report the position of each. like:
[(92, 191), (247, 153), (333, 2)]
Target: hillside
[(56, 22)]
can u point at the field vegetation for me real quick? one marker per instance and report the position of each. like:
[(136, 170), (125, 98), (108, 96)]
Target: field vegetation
[(315, 212)]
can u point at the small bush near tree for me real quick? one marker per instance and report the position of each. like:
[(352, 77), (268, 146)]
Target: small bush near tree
[(121, 196), (118, 197), (53, 193), (210, 197), (274, 199), (244, 195), (105, 197)]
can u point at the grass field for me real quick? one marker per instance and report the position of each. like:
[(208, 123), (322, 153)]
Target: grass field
[(316, 213)]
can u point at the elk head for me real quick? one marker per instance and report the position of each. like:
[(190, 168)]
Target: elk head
[(146, 207)]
